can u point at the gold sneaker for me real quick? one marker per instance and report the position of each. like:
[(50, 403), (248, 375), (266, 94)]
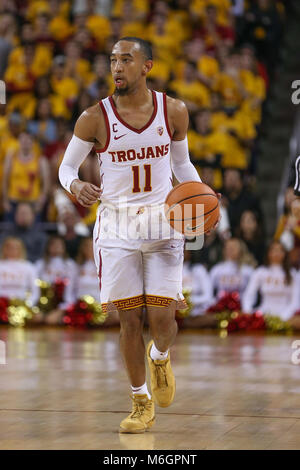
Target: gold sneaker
[(142, 416), (163, 383)]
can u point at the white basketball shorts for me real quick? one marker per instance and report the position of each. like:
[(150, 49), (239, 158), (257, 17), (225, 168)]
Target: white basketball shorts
[(139, 258)]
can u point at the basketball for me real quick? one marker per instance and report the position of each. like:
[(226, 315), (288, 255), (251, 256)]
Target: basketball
[(192, 208)]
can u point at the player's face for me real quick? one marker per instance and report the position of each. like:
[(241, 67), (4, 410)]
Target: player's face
[(128, 66)]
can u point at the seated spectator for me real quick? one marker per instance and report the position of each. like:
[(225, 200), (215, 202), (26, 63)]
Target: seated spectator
[(43, 126), (206, 144), (237, 198), (212, 31), (253, 83), (165, 38), (87, 282), (263, 27), (190, 90), (25, 229), (232, 274), (63, 85), (17, 275), (73, 230), (26, 177), (277, 285), (196, 279), (11, 128), (56, 266), (211, 253), (7, 39), (207, 66), (26, 64), (250, 231), (75, 66), (288, 227), (44, 90), (228, 82), (100, 78)]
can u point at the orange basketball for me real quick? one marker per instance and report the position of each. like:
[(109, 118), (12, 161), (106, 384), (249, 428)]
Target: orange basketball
[(192, 208)]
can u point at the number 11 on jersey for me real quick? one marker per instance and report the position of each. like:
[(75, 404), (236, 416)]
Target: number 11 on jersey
[(136, 178)]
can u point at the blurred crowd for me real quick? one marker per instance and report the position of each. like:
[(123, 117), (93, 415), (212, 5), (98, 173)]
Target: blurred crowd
[(218, 56)]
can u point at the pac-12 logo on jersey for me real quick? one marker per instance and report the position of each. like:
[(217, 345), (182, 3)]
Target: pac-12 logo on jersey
[(160, 130)]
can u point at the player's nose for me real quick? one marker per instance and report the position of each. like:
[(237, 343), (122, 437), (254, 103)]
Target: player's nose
[(119, 66)]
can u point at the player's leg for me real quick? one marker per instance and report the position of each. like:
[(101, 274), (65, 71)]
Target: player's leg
[(132, 345), (121, 289), (162, 262), (162, 325)]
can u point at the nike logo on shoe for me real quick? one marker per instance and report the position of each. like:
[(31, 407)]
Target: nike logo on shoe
[(119, 136)]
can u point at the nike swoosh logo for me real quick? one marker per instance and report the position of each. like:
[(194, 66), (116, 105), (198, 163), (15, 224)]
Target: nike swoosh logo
[(189, 228), (119, 137)]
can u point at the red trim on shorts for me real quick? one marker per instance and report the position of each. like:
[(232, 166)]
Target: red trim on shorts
[(138, 131), (166, 115), (107, 128)]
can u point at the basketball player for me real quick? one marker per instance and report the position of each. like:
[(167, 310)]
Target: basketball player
[(140, 137)]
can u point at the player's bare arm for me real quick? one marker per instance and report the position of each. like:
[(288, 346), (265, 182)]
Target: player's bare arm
[(178, 118)]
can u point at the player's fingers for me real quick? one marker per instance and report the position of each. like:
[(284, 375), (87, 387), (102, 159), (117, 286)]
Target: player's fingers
[(86, 201), (96, 188), (92, 192), (87, 195), (219, 195)]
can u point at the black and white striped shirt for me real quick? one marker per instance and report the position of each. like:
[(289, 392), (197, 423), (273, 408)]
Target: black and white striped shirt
[(297, 183)]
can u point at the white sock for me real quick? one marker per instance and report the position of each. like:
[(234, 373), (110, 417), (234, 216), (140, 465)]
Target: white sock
[(155, 354), (142, 390)]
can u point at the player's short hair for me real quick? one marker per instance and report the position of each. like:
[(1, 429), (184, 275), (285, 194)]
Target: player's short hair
[(144, 45)]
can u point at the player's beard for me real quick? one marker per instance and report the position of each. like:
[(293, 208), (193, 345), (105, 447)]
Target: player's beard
[(122, 91)]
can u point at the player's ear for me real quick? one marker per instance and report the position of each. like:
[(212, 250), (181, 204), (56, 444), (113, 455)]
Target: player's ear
[(147, 66)]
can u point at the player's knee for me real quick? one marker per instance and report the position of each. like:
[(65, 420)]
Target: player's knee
[(131, 322), (162, 325)]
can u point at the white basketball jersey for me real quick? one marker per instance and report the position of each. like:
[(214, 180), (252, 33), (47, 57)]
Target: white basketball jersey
[(135, 164)]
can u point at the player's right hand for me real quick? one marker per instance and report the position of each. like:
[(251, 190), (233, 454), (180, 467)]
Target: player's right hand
[(86, 193)]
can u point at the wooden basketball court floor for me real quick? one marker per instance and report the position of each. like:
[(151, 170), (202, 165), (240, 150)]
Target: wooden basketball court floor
[(67, 389)]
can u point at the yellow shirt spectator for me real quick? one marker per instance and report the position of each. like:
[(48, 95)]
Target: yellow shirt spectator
[(40, 62), (99, 28), (239, 122), (206, 65), (60, 28), (229, 88), (223, 7), (67, 87), (24, 178), (191, 91), (140, 8)]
